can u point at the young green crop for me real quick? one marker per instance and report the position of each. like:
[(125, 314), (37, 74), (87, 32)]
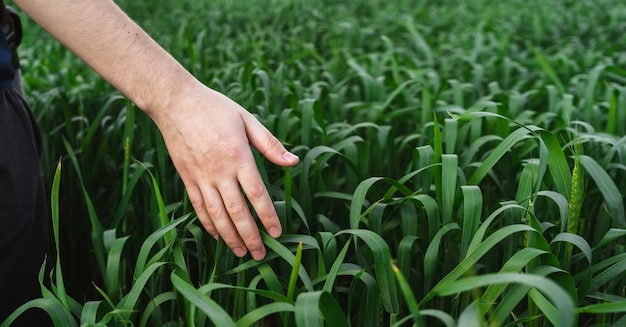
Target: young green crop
[(436, 183)]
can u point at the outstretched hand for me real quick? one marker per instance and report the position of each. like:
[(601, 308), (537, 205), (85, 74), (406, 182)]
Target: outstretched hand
[(208, 137)]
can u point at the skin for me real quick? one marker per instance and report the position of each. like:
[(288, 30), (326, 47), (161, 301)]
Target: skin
[(207, 135)]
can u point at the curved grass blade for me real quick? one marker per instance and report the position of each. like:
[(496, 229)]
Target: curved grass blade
[(213, 311), (610, 192), (334, 269), (557, 163), (361, 192), (115, 265), (332, 311), (547, 68), (473, 257), (470, 154), (289, 257), (482, 230), (470, 317), (270, 278), (555, 157), (259, 313), (515, 294), (559, 298), (444, 317), (614, 234), (505, 146), (405, 258), (549, 310), (384, 275), (432, 254), (148, 244), (154, 304), (432, 212), (472, 211), (129, 301), (89, 315), (369, 308), (57, 312), (613, 271), (562, 204), (311, 306), (576, 240), (307, 311), (603, 308), (515, 264)]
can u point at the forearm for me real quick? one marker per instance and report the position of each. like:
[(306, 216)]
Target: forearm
[(102, 35)]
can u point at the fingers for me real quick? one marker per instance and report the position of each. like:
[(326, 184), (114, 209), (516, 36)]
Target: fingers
[(225, 213), (238, 215), (223, 210), (267, 144)]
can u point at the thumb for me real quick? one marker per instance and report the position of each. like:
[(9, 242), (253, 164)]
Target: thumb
[(271, 148)]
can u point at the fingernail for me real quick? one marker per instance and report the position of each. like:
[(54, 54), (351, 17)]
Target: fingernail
[(239, 252), (258, 254), (290, 156), (274, 232)]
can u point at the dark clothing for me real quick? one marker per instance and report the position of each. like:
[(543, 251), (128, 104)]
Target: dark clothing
[(6, 68), (23, 208), (8, 57), (23, 216)]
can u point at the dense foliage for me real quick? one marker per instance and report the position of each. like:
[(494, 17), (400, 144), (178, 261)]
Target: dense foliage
[(462, 163)]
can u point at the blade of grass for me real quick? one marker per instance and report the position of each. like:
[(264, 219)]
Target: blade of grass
[(57, 312), (289, 257), (384, 274), (448, 186), (611, 194), (547, 68), (215, 313), (472, 211), (432, 255), (291, 289), (311, 305), (256, 315), (54, 204), (559, 298), (115, 266), (408, 297)]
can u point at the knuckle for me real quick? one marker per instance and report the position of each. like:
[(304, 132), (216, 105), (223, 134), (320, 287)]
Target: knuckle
[(235, 151), (196, 201), (272, 143), (213, 209), (236, 211), (256, 191)]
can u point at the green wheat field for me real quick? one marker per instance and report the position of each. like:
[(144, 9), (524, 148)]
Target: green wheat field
[(462, 163)]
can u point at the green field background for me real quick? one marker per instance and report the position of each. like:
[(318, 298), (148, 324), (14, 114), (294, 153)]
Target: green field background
[(462, 163)]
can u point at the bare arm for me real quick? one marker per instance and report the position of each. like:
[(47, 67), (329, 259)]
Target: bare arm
[(207, 134)]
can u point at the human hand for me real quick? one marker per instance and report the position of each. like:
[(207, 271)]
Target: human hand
[(208, 137)]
